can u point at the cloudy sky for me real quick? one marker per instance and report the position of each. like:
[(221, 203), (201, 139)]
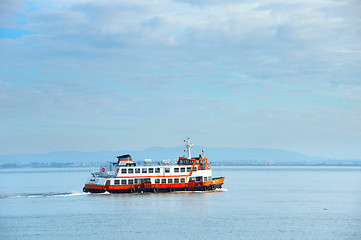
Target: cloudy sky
[(94, 75)]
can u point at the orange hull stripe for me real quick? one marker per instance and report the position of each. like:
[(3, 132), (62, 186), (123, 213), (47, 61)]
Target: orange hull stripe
[(162, 185), (94, 186), (218, 181)]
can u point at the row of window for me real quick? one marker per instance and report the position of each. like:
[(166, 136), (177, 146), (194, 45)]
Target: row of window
[(182, 169), (169, 180), (156, 170)]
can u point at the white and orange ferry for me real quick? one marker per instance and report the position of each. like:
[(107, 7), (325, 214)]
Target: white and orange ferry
[(125, 176)]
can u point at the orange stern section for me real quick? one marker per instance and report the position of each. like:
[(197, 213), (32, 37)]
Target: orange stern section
[(218, 181)]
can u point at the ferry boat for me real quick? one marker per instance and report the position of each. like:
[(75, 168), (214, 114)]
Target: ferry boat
[(125, 176)]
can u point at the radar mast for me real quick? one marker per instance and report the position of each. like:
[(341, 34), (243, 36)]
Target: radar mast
[(188, 145)]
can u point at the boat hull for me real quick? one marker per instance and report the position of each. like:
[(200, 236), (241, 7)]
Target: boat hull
[(216, 183)]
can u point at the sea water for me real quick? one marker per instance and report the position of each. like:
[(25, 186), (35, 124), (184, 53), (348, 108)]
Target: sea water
[(256, 203)]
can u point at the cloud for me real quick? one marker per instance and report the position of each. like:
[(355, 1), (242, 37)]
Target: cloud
[(8, 11), (215, 68), (278, 40), (351, 92)]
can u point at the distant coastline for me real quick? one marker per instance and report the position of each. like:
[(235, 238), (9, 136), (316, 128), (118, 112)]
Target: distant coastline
[(216, 156), (339, 163)]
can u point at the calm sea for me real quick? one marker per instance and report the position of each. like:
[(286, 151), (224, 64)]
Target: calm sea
[(257, 203)]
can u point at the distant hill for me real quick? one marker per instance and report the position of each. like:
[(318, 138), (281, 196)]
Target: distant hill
[(217, 156), (159, 153)]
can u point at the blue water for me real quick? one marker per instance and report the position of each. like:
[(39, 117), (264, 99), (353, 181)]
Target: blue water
[(258, 203)]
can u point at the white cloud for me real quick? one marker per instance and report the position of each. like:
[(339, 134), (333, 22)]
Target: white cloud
[(351, 92), (150, 65), (8, 11), (347, 51)]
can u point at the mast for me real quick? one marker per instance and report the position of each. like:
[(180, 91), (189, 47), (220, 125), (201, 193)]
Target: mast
[(188, 145)]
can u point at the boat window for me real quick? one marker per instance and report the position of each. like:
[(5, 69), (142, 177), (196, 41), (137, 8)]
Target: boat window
[(183, 169), (157, 180), (198, 179), (176, 180), (176, 169), (157, 170), (137, 170), (130, 170), (124, 170), (170, 180), (144, 170), (164, 180), (183, 180), (150, 170), (209, 178), (124, 181), (204, 179), (130, 181), (116, 182), (107, 182), (167, 170), (194, 169), (189, 169)]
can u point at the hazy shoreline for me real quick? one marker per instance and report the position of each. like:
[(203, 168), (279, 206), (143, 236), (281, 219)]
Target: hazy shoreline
[(334, 163)]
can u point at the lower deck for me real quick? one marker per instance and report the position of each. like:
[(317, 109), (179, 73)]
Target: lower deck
[(149, 187)]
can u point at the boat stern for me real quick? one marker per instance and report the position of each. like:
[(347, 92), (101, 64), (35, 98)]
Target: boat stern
[(218, 182), (94, 185)]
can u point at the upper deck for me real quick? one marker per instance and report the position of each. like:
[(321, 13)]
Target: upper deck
[(185, 166), (200, 163)]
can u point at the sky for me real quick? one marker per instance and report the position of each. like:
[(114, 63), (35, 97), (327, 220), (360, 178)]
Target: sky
[(89, 75)]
